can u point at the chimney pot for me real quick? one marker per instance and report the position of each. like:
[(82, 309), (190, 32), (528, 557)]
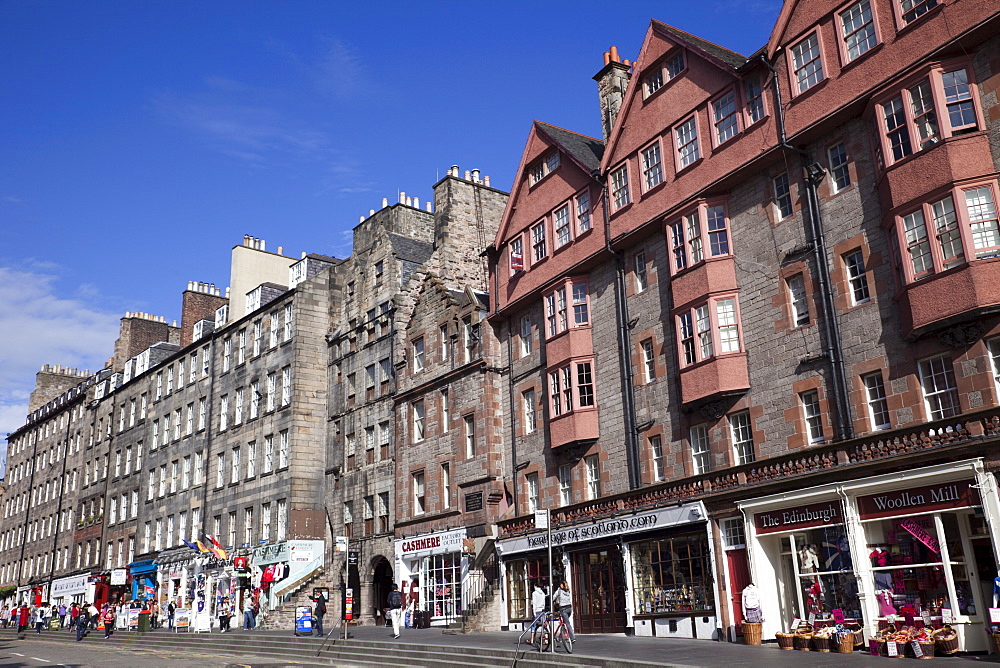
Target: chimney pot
[(385, 202), (416, 202), (468, 175), (607, 58), (475, 175), (428, 207), (402, 197), (486, 181), (280, 248), (614, 54)]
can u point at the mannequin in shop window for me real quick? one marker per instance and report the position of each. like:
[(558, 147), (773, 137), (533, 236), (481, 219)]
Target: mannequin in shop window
[(814, 598), (808, 559), (883, 579)]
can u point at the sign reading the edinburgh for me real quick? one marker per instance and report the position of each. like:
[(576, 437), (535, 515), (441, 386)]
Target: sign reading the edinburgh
[(799, 517), (959, 494)]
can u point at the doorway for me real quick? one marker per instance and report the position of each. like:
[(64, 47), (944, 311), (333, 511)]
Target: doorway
[(381, 586), (598, 591)]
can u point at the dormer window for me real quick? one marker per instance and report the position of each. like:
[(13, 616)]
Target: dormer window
[(544, 168), (662, 73)]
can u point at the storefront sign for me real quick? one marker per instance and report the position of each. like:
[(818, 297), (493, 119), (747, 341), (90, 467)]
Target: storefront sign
[(622, 526), (69, 586), (301, 554), (118, 576), (182, 618), (133, 620), (799, 517), (918, 499), (431, 543), (340, 544)]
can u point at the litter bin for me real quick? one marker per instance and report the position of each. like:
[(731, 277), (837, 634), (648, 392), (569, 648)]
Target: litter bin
[(144, 621)]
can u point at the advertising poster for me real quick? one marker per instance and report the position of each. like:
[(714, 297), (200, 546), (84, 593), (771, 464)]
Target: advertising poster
[(303, 619)]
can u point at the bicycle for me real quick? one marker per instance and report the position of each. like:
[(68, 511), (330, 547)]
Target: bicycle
[(560, 633)]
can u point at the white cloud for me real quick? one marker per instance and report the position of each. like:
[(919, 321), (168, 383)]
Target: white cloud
[(39, 327)]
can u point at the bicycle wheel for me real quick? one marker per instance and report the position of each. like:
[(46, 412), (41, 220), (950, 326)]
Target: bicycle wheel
[(564, 638), (544, 640)]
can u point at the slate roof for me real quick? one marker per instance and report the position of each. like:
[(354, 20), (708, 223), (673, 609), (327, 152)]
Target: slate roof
[(406, 248), (730, 58), (587, 150)]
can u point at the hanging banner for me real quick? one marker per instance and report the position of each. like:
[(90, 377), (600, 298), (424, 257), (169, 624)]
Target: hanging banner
[(915, 529)]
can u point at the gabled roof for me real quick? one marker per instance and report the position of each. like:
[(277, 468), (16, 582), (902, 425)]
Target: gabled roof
[(405, 248), (726, 60), (780, 26), (585, 151), (709, 49)]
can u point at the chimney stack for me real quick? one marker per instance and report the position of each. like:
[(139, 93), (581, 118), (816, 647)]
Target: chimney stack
[(612, 82)]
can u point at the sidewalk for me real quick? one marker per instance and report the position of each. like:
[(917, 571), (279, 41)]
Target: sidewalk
[(670, 651)]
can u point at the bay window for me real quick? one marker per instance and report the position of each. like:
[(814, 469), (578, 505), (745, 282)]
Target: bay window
[(557, 318), (688, 236), (936, 236), (571, 387), (706, 328), (941, 104)]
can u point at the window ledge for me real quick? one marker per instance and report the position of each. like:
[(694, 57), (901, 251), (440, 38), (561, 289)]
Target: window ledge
[(812, 89), (864, 56), (903, 28), (686, 168)]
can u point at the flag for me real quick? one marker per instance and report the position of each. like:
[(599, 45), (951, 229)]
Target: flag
[(191, 545), (216, 548), (200, 546)]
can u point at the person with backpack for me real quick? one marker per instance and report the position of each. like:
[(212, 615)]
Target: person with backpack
[(319, 611), (395, 609)]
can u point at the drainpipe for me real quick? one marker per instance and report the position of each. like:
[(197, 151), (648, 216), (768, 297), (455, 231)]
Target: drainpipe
[(62, 497), (510, 398), (624, 363), (831, 340), (208, 436)]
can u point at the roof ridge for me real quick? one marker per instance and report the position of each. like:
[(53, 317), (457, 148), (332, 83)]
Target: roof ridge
[(698, 39), (572, 132)]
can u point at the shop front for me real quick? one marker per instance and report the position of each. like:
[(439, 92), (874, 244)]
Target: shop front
[(431, 569), (916, 545), (176, 568), (648, 572), (144, 580)]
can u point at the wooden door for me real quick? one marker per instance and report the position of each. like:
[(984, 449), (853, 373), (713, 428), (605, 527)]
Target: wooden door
[(599, 591), (739, 578)]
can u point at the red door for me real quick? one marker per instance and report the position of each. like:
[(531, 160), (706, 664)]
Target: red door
[(739, 578)]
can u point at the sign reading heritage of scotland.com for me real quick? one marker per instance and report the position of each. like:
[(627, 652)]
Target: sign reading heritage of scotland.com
[(607, 528)]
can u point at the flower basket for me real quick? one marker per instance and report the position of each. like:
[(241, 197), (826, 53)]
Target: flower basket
[(802, 641), (845, 643), (785, 640), (994, 641), (946, 640), (928, 649), (752, 633), (821, 644)]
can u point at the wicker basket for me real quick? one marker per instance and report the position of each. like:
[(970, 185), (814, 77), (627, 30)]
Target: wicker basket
[(822, 644), (752, 633), (883, 649), (846, 643), (785, 640), (803, 641), (994, 641), (946, 640), (928, 650)]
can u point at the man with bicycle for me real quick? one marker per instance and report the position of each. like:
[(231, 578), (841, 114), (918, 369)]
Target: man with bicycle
[(538, 609)]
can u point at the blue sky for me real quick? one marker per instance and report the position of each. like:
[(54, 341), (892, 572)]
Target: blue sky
[(142, 140)]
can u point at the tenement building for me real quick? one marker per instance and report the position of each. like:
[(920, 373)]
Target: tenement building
[(187, 467), (753, 330), (409, 366)]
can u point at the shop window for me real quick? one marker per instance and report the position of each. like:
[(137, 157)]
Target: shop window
[(522, 574), (700, 454), (673, 575), (822, 573), (911, 558), (442, 593), (878, 407), (937, 380), (939, 105)]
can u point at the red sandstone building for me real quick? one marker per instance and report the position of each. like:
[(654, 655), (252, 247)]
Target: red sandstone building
[(753, 334)]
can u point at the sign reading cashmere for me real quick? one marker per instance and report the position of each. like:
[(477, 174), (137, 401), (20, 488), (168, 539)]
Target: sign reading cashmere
[(430, 543)]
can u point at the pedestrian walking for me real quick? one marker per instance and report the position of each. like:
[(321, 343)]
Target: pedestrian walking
[(38, 618), (74, 616), (563, 601), (4, 616), (395, 609), (249, 620), (319, 611), (225, 613), (538, 597), (108, 616), (62, 615), (170, 615)]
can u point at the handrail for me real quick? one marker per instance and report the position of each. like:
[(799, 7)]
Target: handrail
[(478, 582)]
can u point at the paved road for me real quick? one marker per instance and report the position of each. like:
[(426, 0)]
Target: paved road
[(41, 652)]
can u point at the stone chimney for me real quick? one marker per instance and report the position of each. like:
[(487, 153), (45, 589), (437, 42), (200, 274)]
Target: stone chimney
[(199, 302), (138, 332), (612, 82)]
